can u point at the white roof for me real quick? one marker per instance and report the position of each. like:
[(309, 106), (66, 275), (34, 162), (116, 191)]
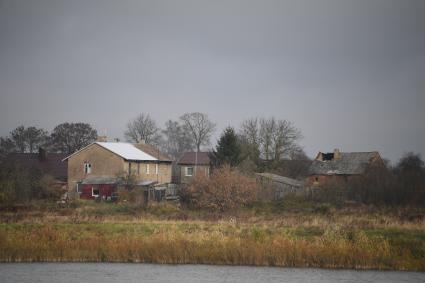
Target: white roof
[(125, 150)]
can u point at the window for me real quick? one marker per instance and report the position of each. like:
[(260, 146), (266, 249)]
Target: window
[(138, 168), (95, 192), (156, 169), (147, 169), (79, 188), (129, 168), (87, 168), (189, 171)]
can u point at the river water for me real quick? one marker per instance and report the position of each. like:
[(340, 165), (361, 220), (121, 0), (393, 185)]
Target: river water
[(117, 272)]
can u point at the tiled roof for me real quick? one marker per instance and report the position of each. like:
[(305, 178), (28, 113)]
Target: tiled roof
[(153, 151), (190, 158), (349, 163)]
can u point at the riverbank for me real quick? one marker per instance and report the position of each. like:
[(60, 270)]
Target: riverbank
[(334, 239)]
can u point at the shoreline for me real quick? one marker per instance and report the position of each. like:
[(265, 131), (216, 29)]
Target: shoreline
[(214, 265)]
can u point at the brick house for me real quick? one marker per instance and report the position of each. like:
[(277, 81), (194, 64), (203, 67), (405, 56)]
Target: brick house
[(96, 170), (192, 164), (341, 167)]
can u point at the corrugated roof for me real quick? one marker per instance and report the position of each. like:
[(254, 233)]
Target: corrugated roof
[(190, 158), (281, 179), (99, 180), (349, 163)]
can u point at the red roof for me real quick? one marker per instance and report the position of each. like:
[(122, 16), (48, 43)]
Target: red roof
[(189, 158)]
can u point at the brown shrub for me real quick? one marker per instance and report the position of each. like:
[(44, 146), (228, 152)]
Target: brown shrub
[(225, 189)]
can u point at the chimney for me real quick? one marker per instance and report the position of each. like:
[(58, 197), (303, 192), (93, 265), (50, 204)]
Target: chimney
[(102, 139), (337, 153), (42, 155)]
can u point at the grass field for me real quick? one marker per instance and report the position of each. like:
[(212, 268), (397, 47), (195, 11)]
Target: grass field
[(281, 234)]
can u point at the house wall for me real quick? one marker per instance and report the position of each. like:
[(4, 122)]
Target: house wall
[(139, 170), (103, 163), (200, 169), (323, 180)]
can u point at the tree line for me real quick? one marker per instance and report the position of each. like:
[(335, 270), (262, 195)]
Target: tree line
[(256, 139), (65, 138)]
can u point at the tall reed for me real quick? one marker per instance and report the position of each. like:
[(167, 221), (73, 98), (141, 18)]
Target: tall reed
[(335, 248)]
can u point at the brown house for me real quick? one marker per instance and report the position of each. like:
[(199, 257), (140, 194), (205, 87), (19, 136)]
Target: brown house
[(341, 166), (192, 164), (97, 169)]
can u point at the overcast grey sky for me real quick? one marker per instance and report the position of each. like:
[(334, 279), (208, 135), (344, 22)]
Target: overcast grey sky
[(349, 74)]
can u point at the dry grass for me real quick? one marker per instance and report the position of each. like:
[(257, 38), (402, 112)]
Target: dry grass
[(362, 237)]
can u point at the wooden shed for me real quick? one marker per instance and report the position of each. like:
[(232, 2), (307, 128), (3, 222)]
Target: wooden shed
[(280, 185)]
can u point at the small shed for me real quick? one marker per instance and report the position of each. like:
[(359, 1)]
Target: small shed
[(280, 185), (97, 187)]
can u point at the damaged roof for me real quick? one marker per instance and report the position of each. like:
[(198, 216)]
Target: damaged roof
[(348, 163)]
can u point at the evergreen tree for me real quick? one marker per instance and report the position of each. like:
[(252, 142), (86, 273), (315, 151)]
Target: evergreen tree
[(228, 150)]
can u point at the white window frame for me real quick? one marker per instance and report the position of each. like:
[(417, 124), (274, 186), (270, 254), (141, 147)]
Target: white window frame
[(92, 192), (87, 168), (147, 169), (187, 171), (156, 169), (79, 188)]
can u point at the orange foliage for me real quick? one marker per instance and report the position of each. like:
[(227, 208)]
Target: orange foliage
[(225, 189)]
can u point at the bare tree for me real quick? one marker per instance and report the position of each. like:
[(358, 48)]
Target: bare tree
[(176, 140), (267, 130), (69, 137), (272, 139), (285, 137), (199, 127), (250, 131), (142, 128), (249, 137)]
